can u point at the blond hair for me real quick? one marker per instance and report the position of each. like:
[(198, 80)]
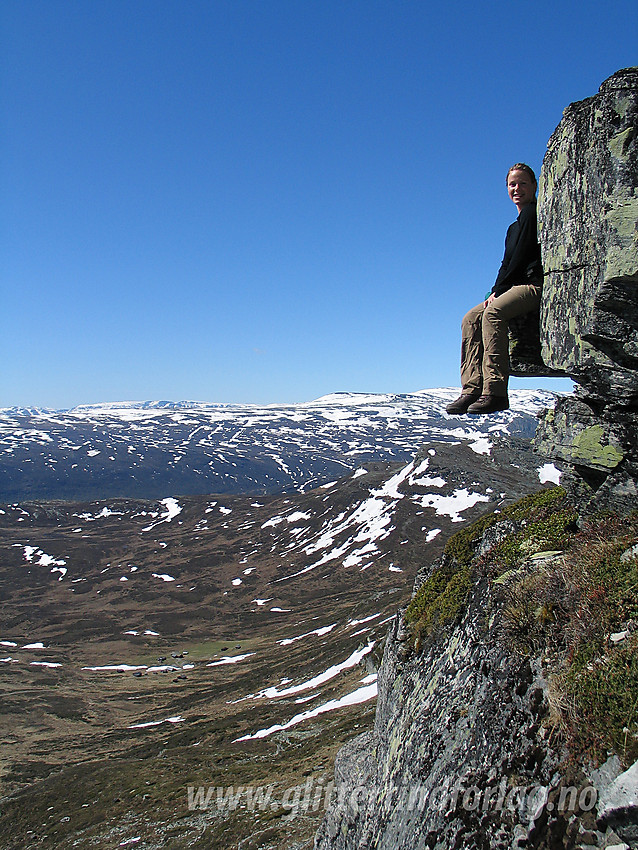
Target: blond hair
[(521, 166)]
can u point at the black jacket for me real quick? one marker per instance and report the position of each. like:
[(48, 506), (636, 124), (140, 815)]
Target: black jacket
[(522, 259)]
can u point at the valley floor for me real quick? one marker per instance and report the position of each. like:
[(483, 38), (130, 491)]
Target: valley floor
[(182, 673)]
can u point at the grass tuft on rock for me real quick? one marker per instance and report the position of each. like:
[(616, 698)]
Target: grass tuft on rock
[(580, 608), (566, 593), (543, 517)]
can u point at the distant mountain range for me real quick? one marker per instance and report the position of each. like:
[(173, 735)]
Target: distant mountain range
[(155, 449)]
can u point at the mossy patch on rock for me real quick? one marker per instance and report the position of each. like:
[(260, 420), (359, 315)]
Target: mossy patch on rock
[(541, 521), (544, 519), (438, 600), (588, 446)]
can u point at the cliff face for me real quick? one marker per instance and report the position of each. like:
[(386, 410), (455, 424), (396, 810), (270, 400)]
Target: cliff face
[(588, 228), (452, 727), (474, 746), (493, 686)]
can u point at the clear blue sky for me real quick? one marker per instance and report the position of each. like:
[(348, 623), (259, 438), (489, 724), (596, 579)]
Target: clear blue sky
[(268, 200)]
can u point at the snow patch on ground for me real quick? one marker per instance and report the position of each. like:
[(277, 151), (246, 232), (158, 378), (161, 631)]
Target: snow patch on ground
[(482, 446), (273, 521), (177, 719), (320, 679), (57, 564), (322, 631), (297, 516), (230, 659), (172, 507), (549, 473), (453, 505), (363, 694)]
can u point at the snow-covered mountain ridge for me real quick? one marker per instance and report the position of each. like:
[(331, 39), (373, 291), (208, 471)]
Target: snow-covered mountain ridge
[(436, 397), (154, 449)]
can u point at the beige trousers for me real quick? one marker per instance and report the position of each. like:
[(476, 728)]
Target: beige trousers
[(485, 361)]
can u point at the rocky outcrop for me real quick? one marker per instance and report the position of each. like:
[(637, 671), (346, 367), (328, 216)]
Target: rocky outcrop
[(526, 356), (439, 777), (462, 755), (588, 229), (618, 803)]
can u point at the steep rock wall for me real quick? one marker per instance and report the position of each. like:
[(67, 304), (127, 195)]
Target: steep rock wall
[(588, 229), (462, 716), (462, 756)]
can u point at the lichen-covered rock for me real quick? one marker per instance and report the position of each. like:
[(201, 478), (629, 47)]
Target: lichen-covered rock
[(600, 450), (588, 229), (445, 774)]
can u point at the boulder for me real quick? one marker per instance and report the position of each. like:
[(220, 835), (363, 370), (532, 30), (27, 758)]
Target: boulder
[(588, 230), (618, 805)]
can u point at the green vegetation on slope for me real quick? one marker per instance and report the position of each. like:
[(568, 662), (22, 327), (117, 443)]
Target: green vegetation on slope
[(544, 520), (566, 592)]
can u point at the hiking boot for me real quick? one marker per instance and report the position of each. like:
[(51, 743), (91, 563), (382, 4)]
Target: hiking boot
[(461, 404), (489, 404)]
